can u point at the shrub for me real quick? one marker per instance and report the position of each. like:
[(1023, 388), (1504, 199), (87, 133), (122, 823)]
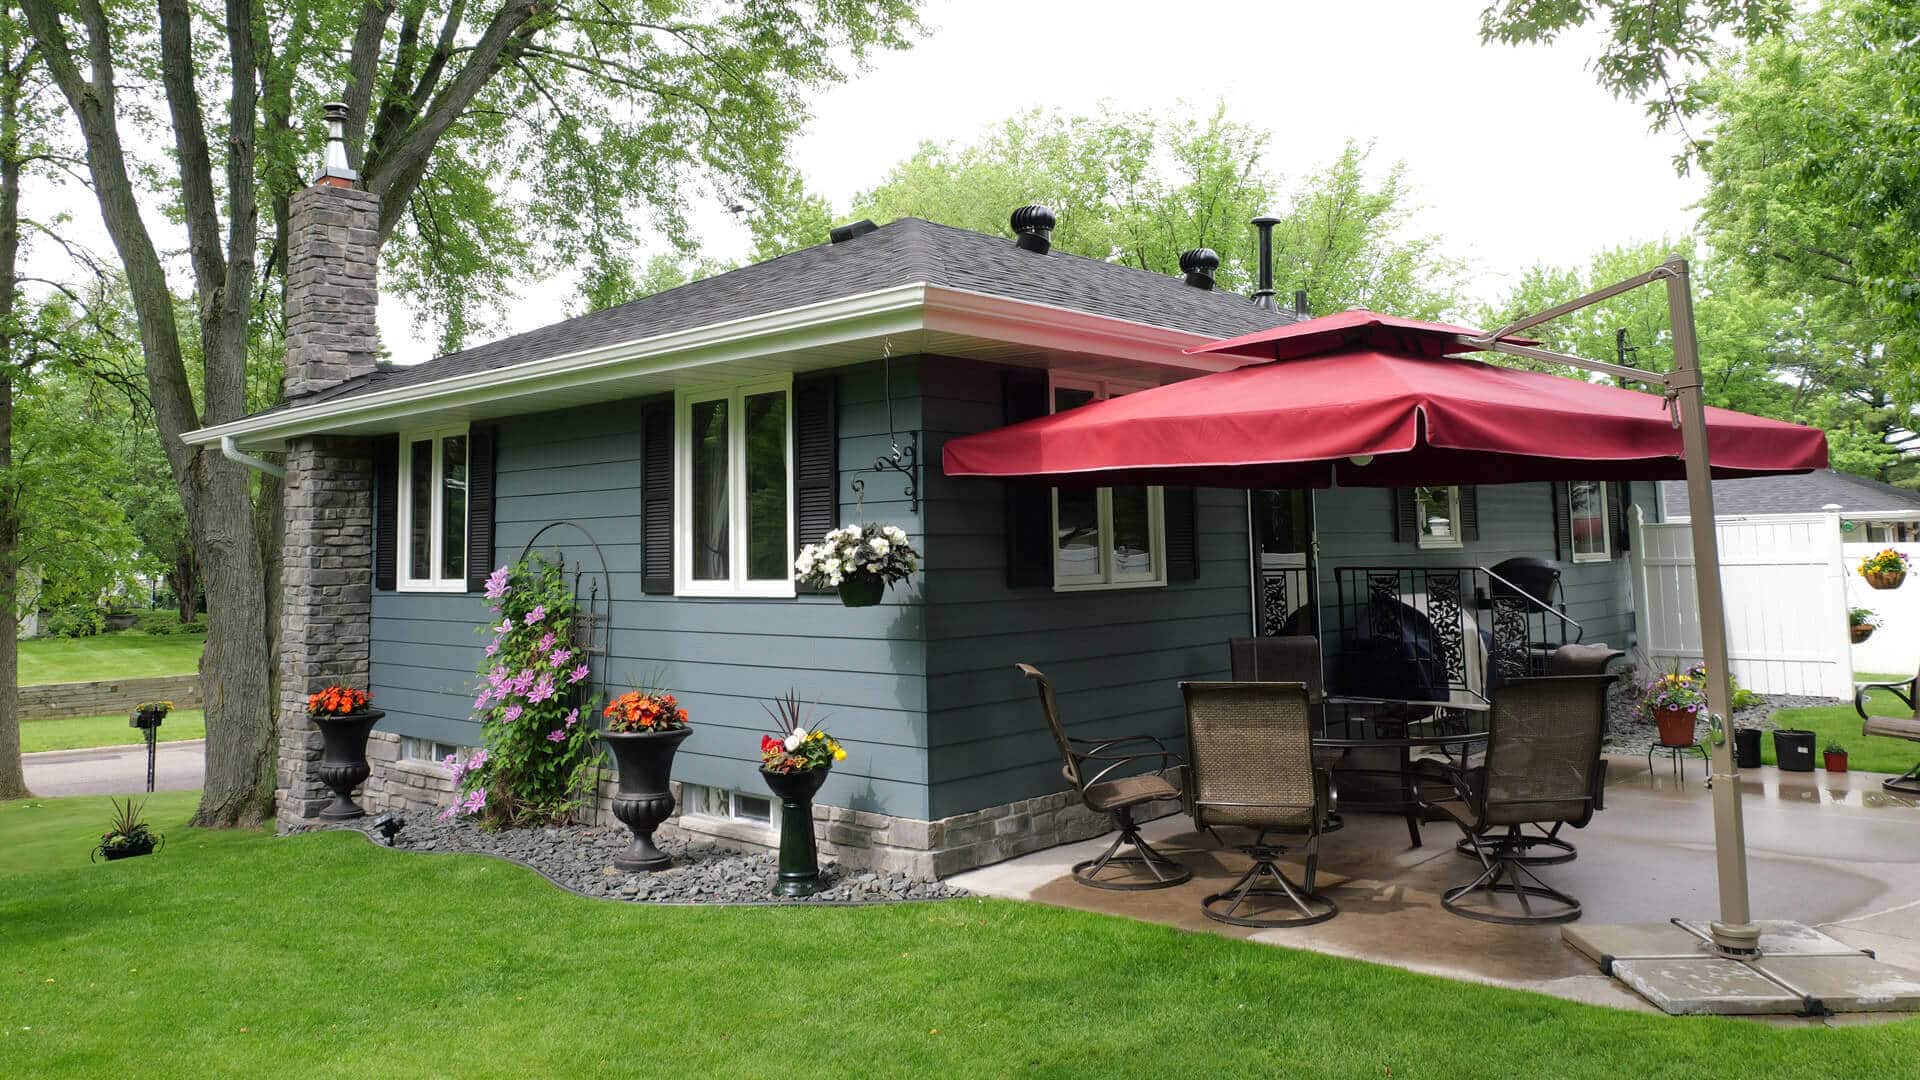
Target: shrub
[(165, 622), (74, 621)]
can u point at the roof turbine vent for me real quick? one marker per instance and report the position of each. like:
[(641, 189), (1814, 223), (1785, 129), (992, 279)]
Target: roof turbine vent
[(1199, 264), (1033, 228)]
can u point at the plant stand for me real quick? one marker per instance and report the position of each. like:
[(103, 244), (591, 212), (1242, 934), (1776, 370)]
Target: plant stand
[(644, 800), (343, 760), (799, 858)]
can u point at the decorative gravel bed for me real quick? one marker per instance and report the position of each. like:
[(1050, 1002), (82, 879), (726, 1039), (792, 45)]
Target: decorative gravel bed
[(1629, 732), (580, 857)]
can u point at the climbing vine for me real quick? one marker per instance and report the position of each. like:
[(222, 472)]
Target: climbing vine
[(537, 762)]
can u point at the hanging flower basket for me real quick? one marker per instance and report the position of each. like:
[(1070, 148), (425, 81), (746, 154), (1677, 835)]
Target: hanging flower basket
[(1886, 569), (1859, 632), (859, 561)]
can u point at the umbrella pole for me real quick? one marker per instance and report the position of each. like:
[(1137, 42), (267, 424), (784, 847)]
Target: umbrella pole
[(1734, 932)]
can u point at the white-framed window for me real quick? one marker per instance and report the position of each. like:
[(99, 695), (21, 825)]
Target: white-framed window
[(733, 490), (1587, 516), (433, 511), (430, 751), (1110, 537), (1437, 510), (717, 802)]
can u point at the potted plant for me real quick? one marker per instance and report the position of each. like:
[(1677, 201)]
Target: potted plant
[(1675, 702), (794, 762), (643, 729), (127, 835), (148, 714), (344, 718), (1885, 569), (858, 560), (1861, 623), (1836, 757)]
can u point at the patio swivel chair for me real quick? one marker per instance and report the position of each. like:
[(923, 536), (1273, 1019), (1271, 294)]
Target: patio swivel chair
[(1546, 847), (1117, 796), (1250, 750), (1896, 727), (1542, 768)]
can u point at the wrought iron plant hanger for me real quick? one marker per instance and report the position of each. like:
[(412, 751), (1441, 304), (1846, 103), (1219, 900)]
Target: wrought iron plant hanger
[(898, 459)]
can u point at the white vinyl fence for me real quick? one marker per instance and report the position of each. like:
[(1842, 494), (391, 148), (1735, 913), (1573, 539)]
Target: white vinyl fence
[(1784, 579), (1894, 649)]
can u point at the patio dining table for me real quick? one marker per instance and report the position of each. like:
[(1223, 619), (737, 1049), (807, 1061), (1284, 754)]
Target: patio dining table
[(1351, 723)]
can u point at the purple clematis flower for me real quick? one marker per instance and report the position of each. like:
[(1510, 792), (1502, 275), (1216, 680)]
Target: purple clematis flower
[(544, 643), (497, 584), (577, 674), (512, 714), (542, 690), (539, 612), (557, 735), (476, 800), (559, 657), (573, 717)]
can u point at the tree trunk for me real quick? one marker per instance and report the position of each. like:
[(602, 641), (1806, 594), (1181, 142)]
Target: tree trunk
[(13, 778)]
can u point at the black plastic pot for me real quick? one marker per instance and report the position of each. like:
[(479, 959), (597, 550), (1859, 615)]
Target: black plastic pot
[(861, 590), (799, 858), (343, 759), (128, 851), (1746, 747), (645, 760), (1793, 750)]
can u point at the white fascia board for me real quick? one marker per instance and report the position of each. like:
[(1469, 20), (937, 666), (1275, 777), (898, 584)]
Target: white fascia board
[(893, 310), (1047, 326), (898, 310)]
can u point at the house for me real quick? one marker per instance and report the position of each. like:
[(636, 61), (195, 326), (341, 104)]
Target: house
[(1870, 511), (698, 437)]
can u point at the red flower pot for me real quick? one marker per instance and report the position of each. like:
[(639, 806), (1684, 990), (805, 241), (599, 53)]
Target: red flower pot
[(1676, 726), (1836, 762)]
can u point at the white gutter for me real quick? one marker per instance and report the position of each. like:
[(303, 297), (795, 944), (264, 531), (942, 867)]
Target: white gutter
[(897, 310), (232, 453)]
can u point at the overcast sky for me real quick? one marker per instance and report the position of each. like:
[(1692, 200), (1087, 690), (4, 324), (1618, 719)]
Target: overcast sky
[(1515, 155)]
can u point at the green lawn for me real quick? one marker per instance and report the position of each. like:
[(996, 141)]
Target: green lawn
[(323, 956), (128, 654), (1839, 723), (89, 731)]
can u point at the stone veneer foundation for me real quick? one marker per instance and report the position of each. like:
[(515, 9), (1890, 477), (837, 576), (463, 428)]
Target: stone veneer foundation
[(856, 838)]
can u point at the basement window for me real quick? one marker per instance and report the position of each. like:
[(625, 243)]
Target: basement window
[(430, 751), (717, 802), (1110, 537), (433, 511)]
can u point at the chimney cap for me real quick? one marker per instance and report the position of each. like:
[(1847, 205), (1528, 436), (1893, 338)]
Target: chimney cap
[(1198, 264), (1033, 228), (334, 169)]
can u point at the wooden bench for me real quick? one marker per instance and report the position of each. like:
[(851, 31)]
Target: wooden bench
[(1895, 727)]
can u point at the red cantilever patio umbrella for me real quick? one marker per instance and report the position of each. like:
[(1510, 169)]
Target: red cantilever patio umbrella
[(1369, 400)]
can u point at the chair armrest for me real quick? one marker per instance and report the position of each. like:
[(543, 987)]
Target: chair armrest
[(1102, 752), (1903, 689), (1441, 773)]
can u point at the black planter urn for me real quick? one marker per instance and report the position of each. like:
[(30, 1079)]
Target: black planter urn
[(343, 759), (645, 760), (799, 859)]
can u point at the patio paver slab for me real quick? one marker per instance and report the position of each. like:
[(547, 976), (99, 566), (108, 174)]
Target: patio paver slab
[(1856, 983), (1706, 985)]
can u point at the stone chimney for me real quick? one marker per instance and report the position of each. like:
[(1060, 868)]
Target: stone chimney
[(326, 567), (332, 273)]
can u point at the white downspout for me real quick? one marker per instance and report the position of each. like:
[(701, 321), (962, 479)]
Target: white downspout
[(232, 453)]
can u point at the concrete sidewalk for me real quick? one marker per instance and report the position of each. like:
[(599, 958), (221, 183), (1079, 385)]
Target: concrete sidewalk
[(116, 770), (1834, 852)]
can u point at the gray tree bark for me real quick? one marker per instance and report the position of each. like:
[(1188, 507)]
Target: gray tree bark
[(13, 779)]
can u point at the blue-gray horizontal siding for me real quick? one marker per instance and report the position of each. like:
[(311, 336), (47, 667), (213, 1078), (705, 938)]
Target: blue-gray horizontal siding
[(861, 668), (1355, 528), (1116, 657)]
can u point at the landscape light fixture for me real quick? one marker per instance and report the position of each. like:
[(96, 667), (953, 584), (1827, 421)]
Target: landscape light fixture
[(388, 825)]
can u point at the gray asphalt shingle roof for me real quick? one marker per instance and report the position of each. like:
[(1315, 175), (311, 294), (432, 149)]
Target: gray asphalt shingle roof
[(899, 253), (1804, 493)]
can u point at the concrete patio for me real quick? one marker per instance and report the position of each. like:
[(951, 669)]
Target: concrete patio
[(1832, 851)]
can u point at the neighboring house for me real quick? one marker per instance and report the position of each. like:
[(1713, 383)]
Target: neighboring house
[(1870, 511), (701, 435)]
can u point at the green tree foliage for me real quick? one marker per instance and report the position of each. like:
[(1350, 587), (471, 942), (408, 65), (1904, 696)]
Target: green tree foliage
[(1140, 187), (1813, 168), (1651, 47)]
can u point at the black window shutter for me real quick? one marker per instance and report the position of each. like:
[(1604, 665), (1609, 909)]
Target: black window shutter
[(1469, 513), (1562, 522), (1183, 533), (1406, 523), (1619, 505), (816, 463), (1029, 504), (656, 495), (481, 439), (386, 511)]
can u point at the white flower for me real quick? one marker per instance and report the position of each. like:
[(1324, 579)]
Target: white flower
[(795, 738), (894, 532), (879, 545)]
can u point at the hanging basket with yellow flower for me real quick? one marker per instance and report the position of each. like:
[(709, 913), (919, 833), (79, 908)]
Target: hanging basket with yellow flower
[(1885, 569)]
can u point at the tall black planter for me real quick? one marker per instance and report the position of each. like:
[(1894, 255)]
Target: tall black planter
[(645, 759), (343, 759), (799, 859)]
